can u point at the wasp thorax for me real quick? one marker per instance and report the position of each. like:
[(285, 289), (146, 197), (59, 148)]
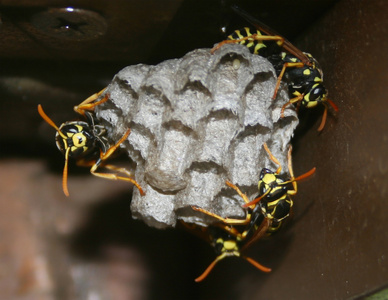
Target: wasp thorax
[(76, 136)]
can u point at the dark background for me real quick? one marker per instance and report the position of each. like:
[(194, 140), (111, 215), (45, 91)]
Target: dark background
[(53, 247)]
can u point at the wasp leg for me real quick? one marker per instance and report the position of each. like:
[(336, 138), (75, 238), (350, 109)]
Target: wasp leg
[(228, 221), (294, 180), (115, 177), (291, 170), (109, 152), (112, 176), (228, 228), (255, 37), (87, 105), (273, 158), (280, 77), (121, 170), (297, 99), (248, 203), (242, 195)]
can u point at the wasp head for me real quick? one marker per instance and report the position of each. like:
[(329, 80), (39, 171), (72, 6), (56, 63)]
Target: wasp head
[(73, 139), (226, 245), (315, 95), (75, 136)]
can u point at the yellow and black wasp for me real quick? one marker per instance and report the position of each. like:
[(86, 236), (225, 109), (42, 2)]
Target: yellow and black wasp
[(230, 237), (86, 142), (275, 191), (303, 74), (263, 216)]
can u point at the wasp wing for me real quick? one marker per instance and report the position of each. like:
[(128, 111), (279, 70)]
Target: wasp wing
[(258, 234), (264, 28)]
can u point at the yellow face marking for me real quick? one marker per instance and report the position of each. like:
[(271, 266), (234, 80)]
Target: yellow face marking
[(311, 104), (230, 245), (79, 140), (268, 178)]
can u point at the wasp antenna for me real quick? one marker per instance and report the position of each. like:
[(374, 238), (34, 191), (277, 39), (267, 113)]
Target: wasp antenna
[(333, 105), (254, 201), (49, 121), (257, 265), (209, 268), (323, 122), (305, 175), (64, 177)]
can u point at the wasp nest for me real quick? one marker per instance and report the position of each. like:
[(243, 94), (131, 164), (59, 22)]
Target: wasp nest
[(196, 122)]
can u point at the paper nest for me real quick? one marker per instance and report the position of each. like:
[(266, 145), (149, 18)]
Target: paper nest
[(196, 122)]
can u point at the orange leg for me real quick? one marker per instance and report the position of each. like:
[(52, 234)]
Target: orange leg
[(273, 158), (228, 221), (280, 77), (242, 195), (104, 156), (87, 105), (293, 100)]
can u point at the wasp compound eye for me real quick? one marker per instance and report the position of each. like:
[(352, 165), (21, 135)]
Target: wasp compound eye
[(318, 93)]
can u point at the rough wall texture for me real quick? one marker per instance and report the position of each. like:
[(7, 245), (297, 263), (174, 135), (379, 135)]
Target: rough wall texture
[(196, 122)]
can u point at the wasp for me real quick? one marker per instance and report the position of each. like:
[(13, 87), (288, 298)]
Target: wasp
[(303, 74), (86, 142), (230, 237), (263, 216), (275, 191)]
